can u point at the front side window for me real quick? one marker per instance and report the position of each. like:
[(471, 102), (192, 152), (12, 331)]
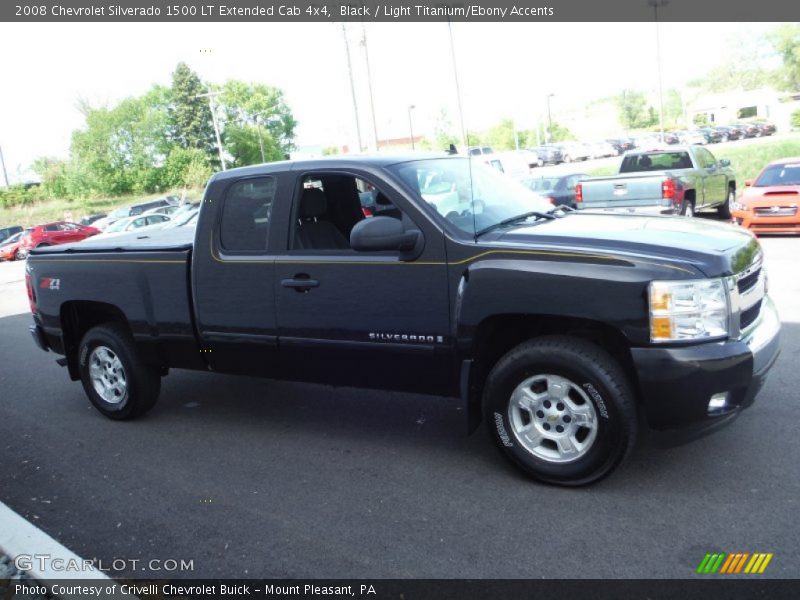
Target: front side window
[(471, 197), (330, 205), (246, 214)]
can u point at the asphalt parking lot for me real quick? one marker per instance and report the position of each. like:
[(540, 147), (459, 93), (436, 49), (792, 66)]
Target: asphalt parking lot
[(255, 478)]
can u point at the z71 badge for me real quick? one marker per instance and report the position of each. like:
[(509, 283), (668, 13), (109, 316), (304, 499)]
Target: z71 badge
[(49, 283)]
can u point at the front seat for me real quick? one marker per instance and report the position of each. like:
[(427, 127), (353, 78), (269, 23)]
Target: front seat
[(313, 233)]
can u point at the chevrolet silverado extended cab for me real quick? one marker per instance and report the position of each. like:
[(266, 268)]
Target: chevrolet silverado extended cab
[(677, 180), (559, 328)]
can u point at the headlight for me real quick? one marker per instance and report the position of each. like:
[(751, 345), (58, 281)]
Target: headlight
[(688, 310), (738, 206)]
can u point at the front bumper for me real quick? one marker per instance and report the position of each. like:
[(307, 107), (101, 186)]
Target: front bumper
[(765, 223), (677, 383)]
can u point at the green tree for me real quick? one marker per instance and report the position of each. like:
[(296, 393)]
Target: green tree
[(256, 114), (123, 149), (559, 133), (502, 136), (785, 40), (192, 125), (632, 106), (795, 119), (673, 109), (444, 133)]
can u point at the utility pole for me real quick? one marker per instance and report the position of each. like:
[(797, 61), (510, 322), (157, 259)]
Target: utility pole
[(549, 120), (369, 84), (3, 165), (210, 96), (260, 139), (352, 89), (656, 4), (411, 125)]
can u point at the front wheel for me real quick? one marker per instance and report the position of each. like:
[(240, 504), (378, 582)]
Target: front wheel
[(724, 209), (20, 254), (561, 410), (118, 382)]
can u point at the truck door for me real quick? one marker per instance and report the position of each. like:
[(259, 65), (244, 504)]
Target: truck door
[(232, 276), (360, 318), (714, 182)]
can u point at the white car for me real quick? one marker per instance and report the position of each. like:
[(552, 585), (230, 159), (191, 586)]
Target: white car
[(137, 223), (163, 210)]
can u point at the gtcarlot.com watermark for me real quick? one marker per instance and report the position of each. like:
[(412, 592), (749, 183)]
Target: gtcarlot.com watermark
[(46, 562)]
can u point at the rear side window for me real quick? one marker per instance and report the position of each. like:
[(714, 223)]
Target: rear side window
[(245, 215)]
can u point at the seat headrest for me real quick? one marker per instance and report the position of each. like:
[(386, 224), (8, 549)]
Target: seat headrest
[(313, 203)]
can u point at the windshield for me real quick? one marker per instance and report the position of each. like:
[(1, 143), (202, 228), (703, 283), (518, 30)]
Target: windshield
[(117, 225), (471, 203), (120, 212), (779, 175)]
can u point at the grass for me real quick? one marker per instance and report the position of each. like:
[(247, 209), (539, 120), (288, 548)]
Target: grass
[(56, 210), (747, 157)]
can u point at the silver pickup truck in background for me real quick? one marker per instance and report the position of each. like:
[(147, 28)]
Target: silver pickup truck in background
[(677, 180)]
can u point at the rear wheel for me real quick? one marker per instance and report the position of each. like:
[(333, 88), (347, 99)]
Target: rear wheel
[(20, 254), (561, 410), (724, 209), (118, 382), (687, 208)]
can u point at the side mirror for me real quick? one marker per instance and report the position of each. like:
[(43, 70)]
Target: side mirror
[(724, 162), (748, 182), (382, 233)]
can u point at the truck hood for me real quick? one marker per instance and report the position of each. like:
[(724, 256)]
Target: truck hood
[(715, 249)]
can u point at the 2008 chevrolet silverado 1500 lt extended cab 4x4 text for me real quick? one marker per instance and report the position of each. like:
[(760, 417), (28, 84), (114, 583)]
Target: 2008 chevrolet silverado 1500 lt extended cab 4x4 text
[(677, 180), (559, 328)]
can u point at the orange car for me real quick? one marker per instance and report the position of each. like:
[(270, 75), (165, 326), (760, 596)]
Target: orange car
[(770, 203)]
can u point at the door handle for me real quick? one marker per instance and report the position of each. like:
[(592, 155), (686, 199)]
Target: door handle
[(300, 282)]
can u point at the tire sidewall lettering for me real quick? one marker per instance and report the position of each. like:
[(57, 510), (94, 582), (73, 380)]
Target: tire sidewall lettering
[(502, 432), (597, 399)]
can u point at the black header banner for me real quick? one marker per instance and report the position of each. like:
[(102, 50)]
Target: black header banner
[(520, 11), (399, 589)]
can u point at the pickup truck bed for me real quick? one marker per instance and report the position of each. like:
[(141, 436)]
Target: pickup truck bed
[(145, 280)]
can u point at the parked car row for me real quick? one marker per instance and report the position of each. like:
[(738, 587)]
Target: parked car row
[(16, 242)]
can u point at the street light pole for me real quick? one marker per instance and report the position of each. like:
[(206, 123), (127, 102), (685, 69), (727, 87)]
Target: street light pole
[(549, 120), (656, 4), (411, 124), (210, 96)]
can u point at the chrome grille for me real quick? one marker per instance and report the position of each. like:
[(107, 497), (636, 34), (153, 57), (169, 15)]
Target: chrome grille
[(776, 211), (748, 295)]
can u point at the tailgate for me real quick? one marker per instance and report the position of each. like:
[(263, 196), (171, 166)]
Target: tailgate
[(624, 193)]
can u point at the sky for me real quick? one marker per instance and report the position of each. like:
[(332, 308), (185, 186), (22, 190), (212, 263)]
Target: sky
[(504, 70)]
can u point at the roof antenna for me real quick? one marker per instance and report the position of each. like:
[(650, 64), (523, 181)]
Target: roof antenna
[(464, 138)]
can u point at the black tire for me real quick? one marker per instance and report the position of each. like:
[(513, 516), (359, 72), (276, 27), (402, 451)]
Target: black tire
[(724, 209), (687, 208), (19, 255), (602, 383), (142, 381)]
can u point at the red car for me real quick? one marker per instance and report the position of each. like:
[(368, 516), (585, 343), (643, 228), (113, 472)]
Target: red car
[(771, 202), (52, 234), (10, 248)]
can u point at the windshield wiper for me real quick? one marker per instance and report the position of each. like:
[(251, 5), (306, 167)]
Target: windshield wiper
[(519, 218)]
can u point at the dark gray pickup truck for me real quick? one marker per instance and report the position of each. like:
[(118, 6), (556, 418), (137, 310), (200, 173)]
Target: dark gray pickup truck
[(559, 328), (676, 180)]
